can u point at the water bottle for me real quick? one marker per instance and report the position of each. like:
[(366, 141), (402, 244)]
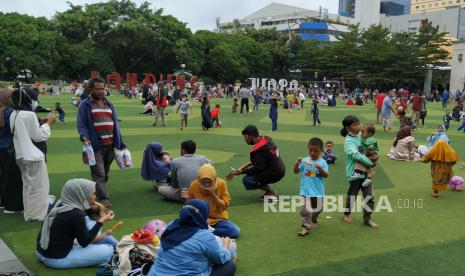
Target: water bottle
[(90, 154)]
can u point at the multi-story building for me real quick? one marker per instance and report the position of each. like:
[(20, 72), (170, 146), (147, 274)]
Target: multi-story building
[(422, 6), (347, 8), (391, 8), (388, 7), (307, 24), (367, 12)]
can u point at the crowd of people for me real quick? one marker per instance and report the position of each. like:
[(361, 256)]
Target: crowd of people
[(201, 240)]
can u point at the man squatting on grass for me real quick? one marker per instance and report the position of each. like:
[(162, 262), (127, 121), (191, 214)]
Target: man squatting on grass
[(265, 166)]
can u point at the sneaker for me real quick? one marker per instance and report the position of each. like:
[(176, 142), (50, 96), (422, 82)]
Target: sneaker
[(357, 175), (12, 212), (268, 198), (303, 232), (367, 182)]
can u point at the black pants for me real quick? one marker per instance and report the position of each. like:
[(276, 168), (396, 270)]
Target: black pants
[(316, 118), (226, 269), (246, 103), (11, 184), (103, 159), (367, 192)]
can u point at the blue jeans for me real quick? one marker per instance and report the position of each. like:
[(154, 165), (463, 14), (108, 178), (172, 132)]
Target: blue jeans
[(225, 228), (110, 240), (274, 125), (91, 255), (251, 183)]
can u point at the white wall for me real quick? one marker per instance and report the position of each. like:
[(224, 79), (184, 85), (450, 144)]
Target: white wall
[(367, 12), (457, 75)]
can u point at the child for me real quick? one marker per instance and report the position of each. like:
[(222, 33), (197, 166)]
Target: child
[(442, 157), (234, 106), (215, 113), (185, 106), (273, 112), (370, 148), (61, 113), (148, 108), (329, 155), (93, 215), (290, 101), (404, 120), (313, 170), (315, 112), (446, 119), (462, 119)]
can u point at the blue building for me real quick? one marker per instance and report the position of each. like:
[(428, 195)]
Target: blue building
[(391, 8), (321, 31)]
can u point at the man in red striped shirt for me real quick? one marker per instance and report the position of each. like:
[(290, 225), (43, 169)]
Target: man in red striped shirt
[(98, 126)]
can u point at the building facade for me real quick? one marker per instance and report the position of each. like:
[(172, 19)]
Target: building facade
[(450, 20), (391, 8), (347, 8), (307, 24), (367, 12), (457, 75), (423, 6)]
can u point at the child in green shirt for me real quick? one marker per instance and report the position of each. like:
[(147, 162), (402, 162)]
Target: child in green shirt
[(370, 149)]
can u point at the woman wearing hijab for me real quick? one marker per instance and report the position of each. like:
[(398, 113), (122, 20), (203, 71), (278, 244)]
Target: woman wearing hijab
[(189, 248), (206, 114), (442, 157), (155, 166), (66, 223), (215, 191), (29, 158), (11, 185), (404, 147), (439, 134)]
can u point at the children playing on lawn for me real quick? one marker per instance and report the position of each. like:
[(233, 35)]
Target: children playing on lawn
[(215, 114), (442, 157), (462, 121), (313, 170), (184, 107), (351, 131), (329, 155), (370, 149)]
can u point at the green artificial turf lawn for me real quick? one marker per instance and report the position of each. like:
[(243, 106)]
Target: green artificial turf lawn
[(423, 240)]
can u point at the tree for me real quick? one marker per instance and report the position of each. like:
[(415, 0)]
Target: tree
[(432, 43)]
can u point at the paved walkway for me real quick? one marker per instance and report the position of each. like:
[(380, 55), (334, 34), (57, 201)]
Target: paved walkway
[(8, 260)]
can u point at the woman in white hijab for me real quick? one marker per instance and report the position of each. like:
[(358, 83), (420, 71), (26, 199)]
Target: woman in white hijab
[(66, 223)]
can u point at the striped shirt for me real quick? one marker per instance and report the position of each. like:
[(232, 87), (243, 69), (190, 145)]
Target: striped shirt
[(103, 122)]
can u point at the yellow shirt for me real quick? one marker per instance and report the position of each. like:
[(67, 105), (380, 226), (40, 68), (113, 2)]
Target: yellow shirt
[(217, 212)]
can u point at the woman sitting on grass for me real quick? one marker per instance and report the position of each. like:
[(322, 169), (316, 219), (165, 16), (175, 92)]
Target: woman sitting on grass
[(189, 248), (404, 147), (215, 191), (65, 223)]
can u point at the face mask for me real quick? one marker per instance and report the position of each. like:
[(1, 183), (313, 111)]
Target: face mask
[(34, 105)]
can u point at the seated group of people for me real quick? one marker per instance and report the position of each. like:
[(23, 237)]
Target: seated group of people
[(70, 238), (197, 243), (405, 147)]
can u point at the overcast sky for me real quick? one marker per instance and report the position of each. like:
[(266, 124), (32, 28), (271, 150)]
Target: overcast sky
[(198, 14)]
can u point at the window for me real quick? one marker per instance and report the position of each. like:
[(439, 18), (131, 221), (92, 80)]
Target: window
[(417, 7), (458, 1), (430, 5)]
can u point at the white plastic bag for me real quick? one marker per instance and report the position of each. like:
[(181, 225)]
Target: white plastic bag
[(123, 158), (88, 156)]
